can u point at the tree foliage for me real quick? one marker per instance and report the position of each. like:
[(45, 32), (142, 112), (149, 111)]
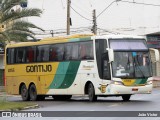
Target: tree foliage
[(13, 26)]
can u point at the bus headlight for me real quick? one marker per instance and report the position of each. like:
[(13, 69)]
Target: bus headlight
[(117, 82), (149, 82)]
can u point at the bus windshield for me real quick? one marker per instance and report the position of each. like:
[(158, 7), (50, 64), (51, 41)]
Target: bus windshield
[(132, 58), (132, 65)]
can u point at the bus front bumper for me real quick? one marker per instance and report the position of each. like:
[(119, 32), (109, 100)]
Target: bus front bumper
[(120, 89)]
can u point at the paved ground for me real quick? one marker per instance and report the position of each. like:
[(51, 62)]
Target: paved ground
[(144, 102)]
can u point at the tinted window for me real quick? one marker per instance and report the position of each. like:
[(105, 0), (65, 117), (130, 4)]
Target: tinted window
[(68, 51), (56, 52), (30, 54), (20, 55), (10, 55), (75, 51), (43, 53), (86, 50)]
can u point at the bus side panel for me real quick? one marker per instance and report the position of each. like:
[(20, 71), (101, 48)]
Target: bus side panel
[(45, 78)]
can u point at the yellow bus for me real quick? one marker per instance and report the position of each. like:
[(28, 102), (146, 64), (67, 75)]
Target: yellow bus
[(108, 65)]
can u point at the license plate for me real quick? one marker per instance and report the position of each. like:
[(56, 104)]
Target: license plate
[(134, 89)]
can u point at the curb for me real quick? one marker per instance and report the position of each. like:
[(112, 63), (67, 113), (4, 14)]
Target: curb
[(31, 107)]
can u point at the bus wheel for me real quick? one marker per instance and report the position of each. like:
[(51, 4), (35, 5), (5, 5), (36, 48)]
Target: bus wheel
[(33, 93), (24, 93), (126, 97), (91, 93)]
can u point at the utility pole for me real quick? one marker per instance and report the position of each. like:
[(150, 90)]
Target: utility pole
[(94, 27), (68, 16)]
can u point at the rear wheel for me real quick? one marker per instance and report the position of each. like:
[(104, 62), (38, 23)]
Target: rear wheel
[(126, 97), (91, 93), (33, 93), (24, 93)]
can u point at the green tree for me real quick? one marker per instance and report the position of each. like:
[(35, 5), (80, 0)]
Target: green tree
[(13, 27)]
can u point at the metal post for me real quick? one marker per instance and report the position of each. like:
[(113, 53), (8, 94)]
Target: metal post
[(94, 28), (68, 16)]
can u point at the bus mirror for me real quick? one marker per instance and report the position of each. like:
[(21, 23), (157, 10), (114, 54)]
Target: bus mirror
[(154, 55), (110, 55)]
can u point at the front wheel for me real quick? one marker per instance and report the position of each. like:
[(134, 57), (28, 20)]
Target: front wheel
[(91, 93), (24, 93), (126, 97)]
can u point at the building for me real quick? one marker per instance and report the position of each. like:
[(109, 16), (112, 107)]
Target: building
[(153, 41)]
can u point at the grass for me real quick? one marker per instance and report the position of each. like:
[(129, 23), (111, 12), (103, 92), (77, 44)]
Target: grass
[(6, 105)]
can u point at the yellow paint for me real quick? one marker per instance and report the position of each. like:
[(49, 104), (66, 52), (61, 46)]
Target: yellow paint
[(128, 82), (67, 37), (16, 74)]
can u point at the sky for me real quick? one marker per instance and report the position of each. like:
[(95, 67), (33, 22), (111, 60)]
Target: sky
[(120, 17)]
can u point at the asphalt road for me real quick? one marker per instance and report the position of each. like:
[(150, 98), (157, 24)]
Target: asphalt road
[(141, 102)]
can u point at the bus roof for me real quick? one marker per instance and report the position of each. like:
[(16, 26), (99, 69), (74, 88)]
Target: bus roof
[(71, 38), (118, 36), (61, 39)]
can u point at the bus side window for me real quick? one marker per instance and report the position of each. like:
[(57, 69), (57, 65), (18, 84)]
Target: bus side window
[(13, 54), (43, 53), (46, 53), (30, 53), (60, 52), (75, 51), (68, 51), (52, 53), (8, 56), (86, 50), (20, 55), (82, 52)]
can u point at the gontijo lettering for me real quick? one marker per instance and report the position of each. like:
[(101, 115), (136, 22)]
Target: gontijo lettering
[(39, 68)]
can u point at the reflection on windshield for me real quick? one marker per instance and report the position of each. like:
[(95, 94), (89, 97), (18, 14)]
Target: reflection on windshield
[(131, 65)]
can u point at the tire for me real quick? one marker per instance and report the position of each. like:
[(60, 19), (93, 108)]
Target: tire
[(24, 93), (91, 93), (126, 97), (33, 93), (62, 97)]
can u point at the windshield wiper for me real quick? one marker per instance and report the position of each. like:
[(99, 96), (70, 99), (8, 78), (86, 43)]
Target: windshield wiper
[(136, 64)]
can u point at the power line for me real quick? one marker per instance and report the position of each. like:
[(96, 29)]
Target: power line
[(107, 8), (80, 14), (148, 4), (82, 9), (156, 5), (108, 31)]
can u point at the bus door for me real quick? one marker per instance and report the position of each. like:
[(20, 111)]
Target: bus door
[(103, 64)]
